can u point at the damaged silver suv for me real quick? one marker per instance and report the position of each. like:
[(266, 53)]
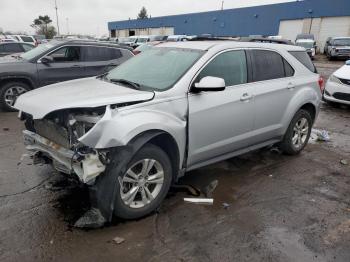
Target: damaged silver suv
[(131, 133)]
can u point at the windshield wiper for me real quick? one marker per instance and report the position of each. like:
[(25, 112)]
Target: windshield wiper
[(127, 82)]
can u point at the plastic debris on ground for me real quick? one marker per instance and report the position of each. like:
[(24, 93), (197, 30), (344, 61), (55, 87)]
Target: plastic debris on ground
[(204, 201), (118, 240), (225, 205), (344, 162), (319, 135), (91, 219), (209, 189)]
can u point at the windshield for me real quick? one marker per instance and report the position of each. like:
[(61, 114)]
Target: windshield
[(156, 69), (342, 42), (305, 44), (38, 50)]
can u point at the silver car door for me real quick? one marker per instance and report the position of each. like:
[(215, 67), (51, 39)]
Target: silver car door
[(220, 122), (274, 86)]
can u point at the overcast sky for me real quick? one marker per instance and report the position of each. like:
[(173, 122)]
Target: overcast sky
[(91, 16)]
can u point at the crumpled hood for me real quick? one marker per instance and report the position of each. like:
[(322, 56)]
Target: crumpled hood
[(81, 93), (343, 72)]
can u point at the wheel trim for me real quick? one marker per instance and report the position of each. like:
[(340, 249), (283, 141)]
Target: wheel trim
[(300, 133), (141, 183), (12, 93)]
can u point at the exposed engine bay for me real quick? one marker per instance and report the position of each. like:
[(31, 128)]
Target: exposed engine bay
[(55, 140)]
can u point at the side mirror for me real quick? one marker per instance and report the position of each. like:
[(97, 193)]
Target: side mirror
[(347, 62), (46, 60), (210, 83)]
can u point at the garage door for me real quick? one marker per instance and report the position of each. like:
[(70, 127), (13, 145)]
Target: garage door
[(289, 29), (333, 27)]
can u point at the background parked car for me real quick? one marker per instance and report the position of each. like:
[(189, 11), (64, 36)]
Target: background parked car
[(10, 48), (305, 36), (55, 62), (176, 38), (338, 47), (338, 86), (309, 45), (25, 39)]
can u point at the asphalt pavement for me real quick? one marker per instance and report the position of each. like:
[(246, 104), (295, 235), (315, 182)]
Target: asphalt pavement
[(267, 206)]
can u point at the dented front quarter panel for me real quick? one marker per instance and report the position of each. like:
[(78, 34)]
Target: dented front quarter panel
[(120, 125)]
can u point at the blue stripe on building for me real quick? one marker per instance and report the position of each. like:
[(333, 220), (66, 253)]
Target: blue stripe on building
[(260, 20)]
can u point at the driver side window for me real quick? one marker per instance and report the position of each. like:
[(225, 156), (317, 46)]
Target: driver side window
[(66, 54), (231, 66)]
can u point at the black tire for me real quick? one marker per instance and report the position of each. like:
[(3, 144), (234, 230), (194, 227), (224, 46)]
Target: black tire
[(149, 151), (287, 146), (3, 90)]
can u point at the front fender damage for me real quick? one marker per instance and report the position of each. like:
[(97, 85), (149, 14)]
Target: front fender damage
[(103, 192)]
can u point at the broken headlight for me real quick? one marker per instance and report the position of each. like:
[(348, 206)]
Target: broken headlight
[(79, 125)]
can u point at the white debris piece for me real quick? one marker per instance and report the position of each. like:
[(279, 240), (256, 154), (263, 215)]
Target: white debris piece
[(208, 201), (320, 135), (118, 240)]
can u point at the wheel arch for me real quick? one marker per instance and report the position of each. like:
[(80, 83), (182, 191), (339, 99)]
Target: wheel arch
[(162, 139), (24, 79), (311, 108)]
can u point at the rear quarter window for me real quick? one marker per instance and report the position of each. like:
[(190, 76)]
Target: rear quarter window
[(305, 59)]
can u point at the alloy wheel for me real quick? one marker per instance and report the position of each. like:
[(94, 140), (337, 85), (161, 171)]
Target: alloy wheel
[(300, 133), (12, 93), (141, 183)]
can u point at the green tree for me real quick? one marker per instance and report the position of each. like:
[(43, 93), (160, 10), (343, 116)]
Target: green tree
[(43, 26), (143, 13)]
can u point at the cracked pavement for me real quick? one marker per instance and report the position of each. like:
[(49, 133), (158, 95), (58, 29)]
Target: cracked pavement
[(281, 208)]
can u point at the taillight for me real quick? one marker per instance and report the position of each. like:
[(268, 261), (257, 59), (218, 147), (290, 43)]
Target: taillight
[(136, 52), (321, 83)]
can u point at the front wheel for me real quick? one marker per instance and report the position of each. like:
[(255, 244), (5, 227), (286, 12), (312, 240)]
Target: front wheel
[(145, 184), (9, 93), (298, 133)]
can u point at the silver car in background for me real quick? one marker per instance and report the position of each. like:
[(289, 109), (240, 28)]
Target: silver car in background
[(133, 132)]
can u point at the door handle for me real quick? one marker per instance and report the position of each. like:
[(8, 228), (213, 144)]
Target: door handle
[(246, 97), (290, 86)]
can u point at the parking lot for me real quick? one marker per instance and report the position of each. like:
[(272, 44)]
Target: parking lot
[(267, 206)]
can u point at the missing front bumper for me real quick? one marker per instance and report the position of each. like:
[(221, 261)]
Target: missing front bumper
[(87, 167)]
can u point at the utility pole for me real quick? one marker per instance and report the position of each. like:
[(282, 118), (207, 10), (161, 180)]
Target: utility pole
[(222, 5), (58, 27), (67, 20)]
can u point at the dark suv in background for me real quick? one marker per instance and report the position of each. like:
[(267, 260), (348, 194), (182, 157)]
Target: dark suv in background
[(54, 62)]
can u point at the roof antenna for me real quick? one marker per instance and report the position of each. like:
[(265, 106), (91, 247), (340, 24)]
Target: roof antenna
[(222, 5)]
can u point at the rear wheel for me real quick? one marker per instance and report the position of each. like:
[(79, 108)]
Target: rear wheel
[(9, 93), (142, 188), (298, 133)]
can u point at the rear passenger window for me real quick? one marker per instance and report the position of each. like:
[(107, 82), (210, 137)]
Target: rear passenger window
[(231, 66), (305, 59), (267, 65), (288, 69), (94, 53)]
